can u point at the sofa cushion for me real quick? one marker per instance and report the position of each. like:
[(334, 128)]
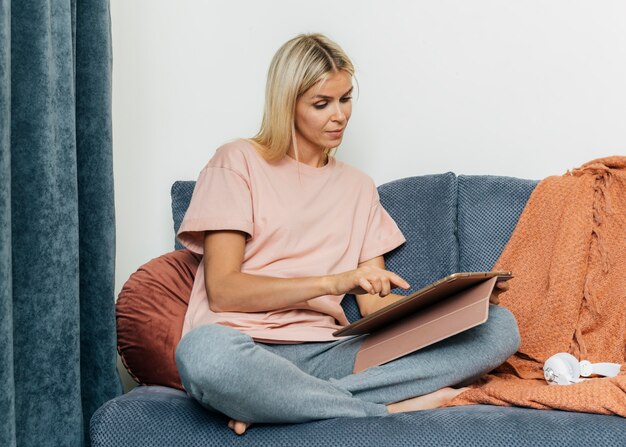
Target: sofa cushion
[(424, 207), (489, 207), (158, 416), (181, 193), (149, 314)]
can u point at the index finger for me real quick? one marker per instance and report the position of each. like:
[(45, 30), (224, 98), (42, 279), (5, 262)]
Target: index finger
[(398, 281)]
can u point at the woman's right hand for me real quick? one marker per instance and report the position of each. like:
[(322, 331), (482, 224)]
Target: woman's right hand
[(366, 279)]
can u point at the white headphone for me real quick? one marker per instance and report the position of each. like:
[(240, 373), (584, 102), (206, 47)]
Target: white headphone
[(565, 369)]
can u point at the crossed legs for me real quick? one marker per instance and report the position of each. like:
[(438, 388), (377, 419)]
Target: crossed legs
[(225, 370)]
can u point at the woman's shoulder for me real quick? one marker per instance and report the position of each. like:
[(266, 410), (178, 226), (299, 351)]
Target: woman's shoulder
[(236, 147), (235, 154), (354, 174)]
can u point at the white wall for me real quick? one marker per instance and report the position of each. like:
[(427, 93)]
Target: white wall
[(522, 88)]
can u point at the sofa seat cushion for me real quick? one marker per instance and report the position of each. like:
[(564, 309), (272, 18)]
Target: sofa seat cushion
[(158, 416)]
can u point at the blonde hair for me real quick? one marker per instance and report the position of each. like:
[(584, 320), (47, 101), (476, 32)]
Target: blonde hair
[(298, 65)]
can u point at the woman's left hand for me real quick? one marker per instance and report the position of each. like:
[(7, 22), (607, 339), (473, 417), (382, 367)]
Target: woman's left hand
[(500, 287)]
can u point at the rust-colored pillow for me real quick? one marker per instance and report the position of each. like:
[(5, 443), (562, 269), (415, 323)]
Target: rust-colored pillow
[(149, 313)]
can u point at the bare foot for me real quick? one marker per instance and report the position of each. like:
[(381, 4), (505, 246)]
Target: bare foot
[(427, 401), (239, 427)]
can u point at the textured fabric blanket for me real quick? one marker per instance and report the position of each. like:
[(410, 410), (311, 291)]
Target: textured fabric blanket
[(568, 255)]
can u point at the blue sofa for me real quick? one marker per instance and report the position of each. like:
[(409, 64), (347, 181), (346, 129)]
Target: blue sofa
[(451, 223)]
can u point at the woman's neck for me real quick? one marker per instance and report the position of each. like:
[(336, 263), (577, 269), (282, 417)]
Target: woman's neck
[(314, 158)]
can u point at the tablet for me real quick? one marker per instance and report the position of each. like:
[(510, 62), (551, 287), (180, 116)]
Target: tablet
[(433, 293)]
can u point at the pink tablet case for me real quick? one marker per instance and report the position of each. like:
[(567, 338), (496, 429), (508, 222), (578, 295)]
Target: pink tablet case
[(441, 320)]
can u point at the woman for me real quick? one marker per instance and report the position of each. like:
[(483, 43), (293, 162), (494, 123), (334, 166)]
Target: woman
[(286, 230)]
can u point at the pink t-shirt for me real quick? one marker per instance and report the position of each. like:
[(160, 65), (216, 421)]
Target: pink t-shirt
[(325, 222)]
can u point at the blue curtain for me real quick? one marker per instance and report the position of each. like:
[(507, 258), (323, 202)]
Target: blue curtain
[(57, 223)]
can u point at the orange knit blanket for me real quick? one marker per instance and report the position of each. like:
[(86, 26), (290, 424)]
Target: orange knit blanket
[(568, 255)]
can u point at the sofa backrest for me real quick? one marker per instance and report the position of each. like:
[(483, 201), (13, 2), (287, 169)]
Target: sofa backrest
[(451, 223), (488, 210), (424, 207), (181, 193)]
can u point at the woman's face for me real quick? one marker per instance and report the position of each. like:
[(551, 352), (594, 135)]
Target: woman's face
[(323, 111)]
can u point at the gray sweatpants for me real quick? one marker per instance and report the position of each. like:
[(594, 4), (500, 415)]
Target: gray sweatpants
[(225, 370)]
